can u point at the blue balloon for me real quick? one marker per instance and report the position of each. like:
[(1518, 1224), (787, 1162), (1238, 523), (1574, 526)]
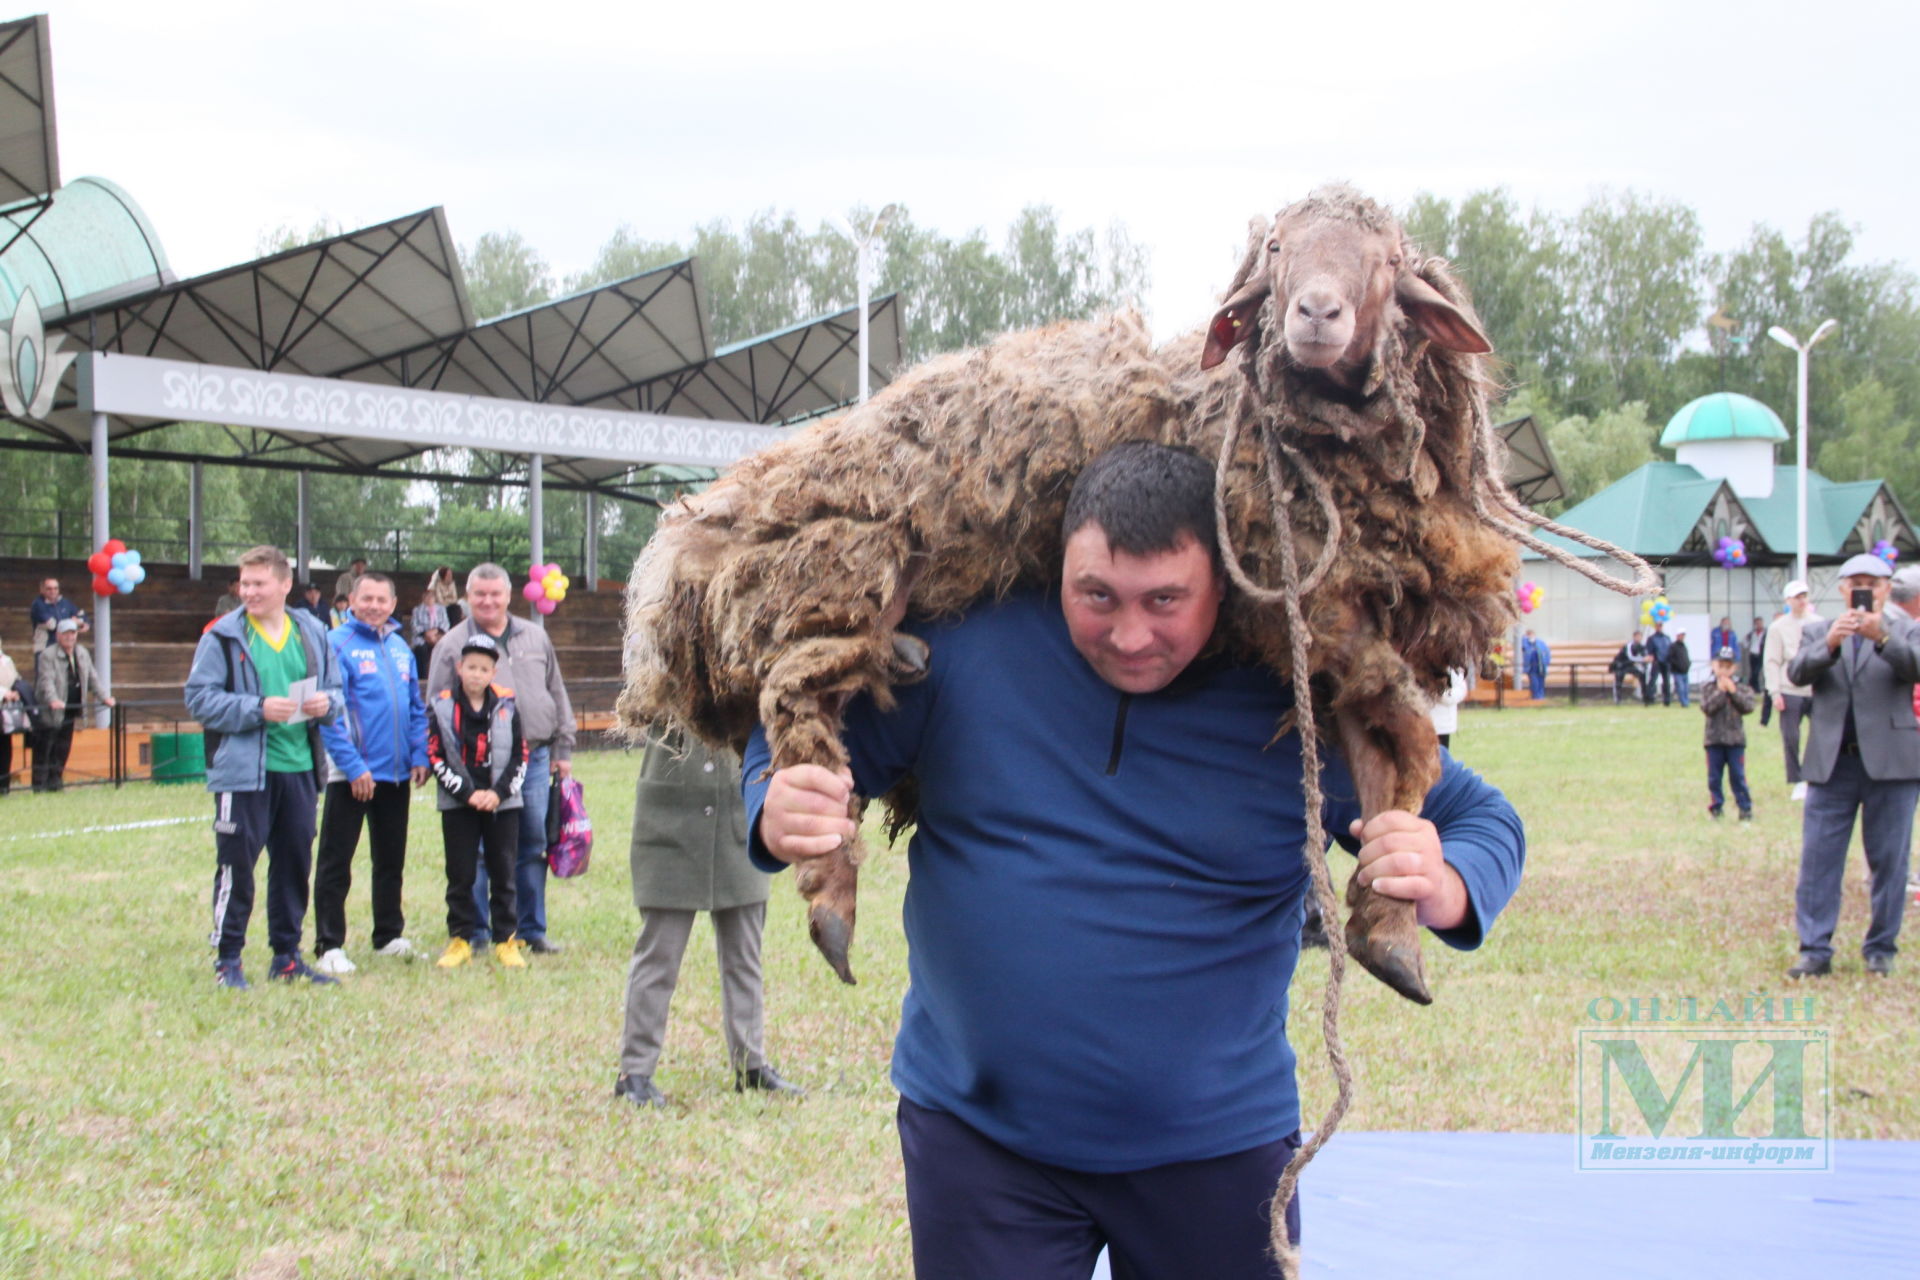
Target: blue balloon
[(133, 557), (119, 559), (127, 589), (117, 575)]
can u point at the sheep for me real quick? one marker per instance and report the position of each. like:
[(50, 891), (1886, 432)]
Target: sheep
[(1353, 432)]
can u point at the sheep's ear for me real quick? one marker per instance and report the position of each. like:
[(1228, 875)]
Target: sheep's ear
[(1440, 320), (1234, 321)]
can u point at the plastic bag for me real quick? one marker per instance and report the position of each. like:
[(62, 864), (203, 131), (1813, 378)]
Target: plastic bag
[(570, 853)]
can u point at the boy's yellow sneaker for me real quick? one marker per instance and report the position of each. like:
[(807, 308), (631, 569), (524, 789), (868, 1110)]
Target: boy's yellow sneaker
[(509, 953), (458, 952)]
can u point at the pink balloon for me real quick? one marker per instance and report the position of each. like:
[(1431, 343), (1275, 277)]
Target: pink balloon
[(545, 605), (533, 590)]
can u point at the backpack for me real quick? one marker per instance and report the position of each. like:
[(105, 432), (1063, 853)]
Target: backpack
[(570, 854)]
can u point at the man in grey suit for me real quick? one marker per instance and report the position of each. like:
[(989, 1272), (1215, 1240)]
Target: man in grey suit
[(1862, 756)]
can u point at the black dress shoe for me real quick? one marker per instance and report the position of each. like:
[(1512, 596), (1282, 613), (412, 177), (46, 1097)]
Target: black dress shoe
[(541, 947), (768, 1079), (639, 1091), (1880, 966), (1807, 967)]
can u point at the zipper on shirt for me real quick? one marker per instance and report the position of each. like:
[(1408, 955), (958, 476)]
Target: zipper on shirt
[(1119, 733)]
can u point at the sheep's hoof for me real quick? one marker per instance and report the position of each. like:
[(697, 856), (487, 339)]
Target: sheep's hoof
[(910, 654), (833, 935), (1396, 963)]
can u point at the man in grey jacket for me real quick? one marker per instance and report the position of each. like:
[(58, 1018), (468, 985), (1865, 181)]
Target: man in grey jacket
[(264, 679), (1863, 757), (1789, 699), (689, 855), (64, 682), (531, 669)]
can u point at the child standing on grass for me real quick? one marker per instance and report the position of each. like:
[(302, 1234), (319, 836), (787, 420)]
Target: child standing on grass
[(1726, 701), (479, 754)]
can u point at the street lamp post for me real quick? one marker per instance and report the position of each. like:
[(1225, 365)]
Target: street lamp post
[(1787, 340), (863, 274)]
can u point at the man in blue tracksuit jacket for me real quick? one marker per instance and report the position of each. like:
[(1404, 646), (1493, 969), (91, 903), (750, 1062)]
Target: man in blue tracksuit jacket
[(1104, 902), (376, 749), (261, 761)]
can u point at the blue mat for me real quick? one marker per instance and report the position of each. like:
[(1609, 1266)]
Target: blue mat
[(1499, 1206)]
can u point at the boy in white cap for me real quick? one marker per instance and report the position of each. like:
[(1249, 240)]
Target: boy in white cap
[(1789, 699)]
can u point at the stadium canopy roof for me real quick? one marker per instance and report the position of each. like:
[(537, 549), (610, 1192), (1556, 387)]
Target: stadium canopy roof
[(29, 154), (1531, 472), (387, 306)]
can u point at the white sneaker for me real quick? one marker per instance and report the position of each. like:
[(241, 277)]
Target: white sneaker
[(1800, 791), (399, 949), (334, 964)]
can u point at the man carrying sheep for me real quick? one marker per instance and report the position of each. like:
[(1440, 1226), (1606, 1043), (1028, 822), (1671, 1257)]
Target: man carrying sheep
[(1105, 898)]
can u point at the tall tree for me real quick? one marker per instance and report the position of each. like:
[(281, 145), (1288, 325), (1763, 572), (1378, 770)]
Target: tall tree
[(772, 272)]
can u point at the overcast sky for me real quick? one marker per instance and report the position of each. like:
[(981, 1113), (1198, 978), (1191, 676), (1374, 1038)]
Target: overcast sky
[(563, 119)]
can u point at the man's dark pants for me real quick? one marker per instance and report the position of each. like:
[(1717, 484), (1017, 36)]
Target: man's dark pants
[(1886, 830), (280, 819), (50, 750), (1733, 760), (1662, 678), (977, 1209), (1791, 715), (385, 816), (1757, 679)]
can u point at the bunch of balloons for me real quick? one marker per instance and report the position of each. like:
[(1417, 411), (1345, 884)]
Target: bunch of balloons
[(1730, 554), (116, 570), (1655, 610), (1529, 596), (1886, 551), (546, 587)]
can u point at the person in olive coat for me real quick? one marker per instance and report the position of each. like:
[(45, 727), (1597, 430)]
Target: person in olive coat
[(689, 854)]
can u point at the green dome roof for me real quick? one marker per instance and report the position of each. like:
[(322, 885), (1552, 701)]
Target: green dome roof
[(91, 245), (1724, 415)]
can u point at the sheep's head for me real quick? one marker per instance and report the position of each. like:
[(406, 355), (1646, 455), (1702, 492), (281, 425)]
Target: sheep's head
[(1329, 279)]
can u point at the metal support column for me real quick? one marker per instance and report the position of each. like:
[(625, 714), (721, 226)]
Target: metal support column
[(592, 567), (196, 520), (536, 519), (103, 605), (302, 534)]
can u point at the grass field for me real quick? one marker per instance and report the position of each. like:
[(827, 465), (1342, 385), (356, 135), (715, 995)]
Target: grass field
[(421, 1123)]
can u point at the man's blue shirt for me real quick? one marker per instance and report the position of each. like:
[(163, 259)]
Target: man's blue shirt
[(1105, 892)]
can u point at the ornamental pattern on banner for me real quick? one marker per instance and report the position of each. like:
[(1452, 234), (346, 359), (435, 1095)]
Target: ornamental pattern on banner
[(298, 404)]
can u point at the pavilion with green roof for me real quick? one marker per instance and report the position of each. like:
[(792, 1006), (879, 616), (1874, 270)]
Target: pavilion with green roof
[(1723, 482)]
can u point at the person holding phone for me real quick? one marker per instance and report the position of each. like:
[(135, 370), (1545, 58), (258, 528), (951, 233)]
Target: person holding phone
[(1862, 758)]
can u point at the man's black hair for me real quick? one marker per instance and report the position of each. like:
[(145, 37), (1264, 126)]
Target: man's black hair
[(1146, 498), (373, 575)]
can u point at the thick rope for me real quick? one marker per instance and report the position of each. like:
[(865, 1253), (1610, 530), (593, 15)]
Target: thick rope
[(1300, 642), (1645, 582)]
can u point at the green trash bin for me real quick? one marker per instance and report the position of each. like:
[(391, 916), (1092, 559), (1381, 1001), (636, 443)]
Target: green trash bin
[(178, 757)]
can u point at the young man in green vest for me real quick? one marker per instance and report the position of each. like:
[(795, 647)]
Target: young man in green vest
[(263, 760)]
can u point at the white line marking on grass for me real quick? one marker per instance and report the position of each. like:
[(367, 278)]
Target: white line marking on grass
[(118, 826)]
